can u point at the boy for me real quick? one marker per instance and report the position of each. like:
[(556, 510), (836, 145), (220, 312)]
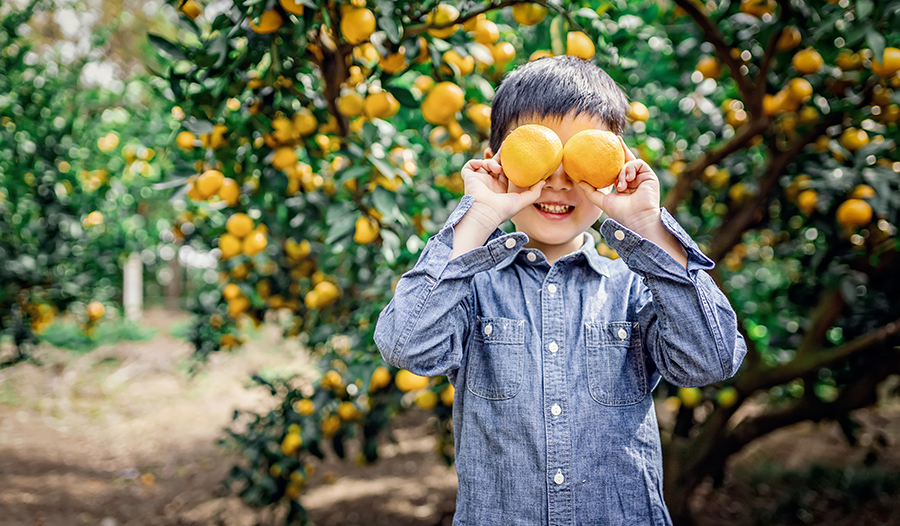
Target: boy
[(554, 349)]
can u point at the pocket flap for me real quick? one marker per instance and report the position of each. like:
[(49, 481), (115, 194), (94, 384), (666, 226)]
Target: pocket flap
[(500, 330), (614, 333)]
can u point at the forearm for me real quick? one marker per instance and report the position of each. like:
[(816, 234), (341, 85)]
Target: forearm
[(652, 229), (473, 230)]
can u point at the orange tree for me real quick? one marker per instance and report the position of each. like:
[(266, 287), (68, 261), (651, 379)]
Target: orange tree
[(76, 168), (322, 142)]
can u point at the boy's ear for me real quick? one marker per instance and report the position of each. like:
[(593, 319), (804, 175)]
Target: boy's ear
[(488, 153)]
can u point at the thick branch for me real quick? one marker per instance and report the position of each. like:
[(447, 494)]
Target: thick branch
[(716, 38), (860, 393), (831, 305), (813, 361), (696, 168), (729, 234)]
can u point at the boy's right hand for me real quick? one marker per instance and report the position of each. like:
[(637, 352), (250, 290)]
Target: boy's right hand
[(484, 180)]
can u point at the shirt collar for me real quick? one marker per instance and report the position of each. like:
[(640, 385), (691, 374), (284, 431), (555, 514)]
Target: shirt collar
[(588, 250)]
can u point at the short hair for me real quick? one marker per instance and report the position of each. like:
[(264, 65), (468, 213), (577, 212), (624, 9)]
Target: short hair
[(559, 87)]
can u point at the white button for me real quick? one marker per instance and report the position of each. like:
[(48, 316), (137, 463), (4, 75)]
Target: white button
[(553, 347), (559, 478), (620, 235), (552, 288), (531, 257), (488, 330), (556, 410), (510, 243), (622, 334)]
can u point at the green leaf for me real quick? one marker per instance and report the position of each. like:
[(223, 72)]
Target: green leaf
[(166, 48), (587, 12), (864, 9), (385, 202), (392, 28), (340, 227), (196, 126), (404, 96), (877, 44), (382, 166), (390, 248)]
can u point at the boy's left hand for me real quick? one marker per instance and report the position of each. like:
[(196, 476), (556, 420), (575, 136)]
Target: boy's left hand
[(636, 202)]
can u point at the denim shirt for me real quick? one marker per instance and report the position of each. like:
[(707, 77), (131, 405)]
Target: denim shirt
[(553, 365)]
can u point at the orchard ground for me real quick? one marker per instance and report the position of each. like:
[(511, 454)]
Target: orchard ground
[(121, 435)]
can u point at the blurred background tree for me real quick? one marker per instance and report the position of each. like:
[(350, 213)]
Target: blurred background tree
[(78, 156)]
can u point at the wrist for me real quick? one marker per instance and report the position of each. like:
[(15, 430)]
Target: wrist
[(645, 224), (485, 217)]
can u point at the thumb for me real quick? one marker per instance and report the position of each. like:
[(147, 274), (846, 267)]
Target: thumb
[(532, 194), (595, 196)]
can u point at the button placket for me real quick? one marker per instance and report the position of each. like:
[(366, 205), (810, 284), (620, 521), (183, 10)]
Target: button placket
[(555, 397)]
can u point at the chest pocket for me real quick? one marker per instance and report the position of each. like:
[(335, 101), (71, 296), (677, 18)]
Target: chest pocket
[(615, 363), (496, 358)]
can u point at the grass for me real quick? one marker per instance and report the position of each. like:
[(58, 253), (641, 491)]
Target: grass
[(71, 336)]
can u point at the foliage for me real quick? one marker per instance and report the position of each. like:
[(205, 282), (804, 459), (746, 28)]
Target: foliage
[(761, 145), (76, 165)]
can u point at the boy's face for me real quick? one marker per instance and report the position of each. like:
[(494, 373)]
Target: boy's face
[(556, 221)]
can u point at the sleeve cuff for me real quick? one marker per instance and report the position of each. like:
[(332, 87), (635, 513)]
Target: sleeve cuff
[(646, 257), (498, 249)]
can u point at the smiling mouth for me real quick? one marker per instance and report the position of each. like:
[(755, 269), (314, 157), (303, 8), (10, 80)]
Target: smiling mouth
[(553, 208)]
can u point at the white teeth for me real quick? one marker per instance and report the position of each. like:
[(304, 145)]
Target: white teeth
[(553, 209)]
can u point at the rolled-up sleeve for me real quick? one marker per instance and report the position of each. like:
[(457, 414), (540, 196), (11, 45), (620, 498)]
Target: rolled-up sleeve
[(688, 325), (425, 326)]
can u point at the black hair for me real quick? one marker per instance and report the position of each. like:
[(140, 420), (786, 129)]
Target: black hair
[(556, 87)]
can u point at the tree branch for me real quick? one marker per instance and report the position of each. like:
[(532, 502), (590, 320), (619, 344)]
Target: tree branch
[(825, 358), (695, 169), (716, 38), (415, 29)]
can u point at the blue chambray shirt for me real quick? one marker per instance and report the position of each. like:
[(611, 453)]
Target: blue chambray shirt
[(553, 366)]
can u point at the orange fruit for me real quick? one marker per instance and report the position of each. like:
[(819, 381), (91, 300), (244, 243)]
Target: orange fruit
[(789, 39), (854, 212), (503, 53), (231, 291), (209, 183), (407, 381), (442, 15), (808, 201), (95, 310), (862, 191), (807, 61), (758, 8), (292, 6), (394, 62), (465, 65), (357, 25), (230, 191), (848, 61), (185, 140), (853, 139), (191, 8), (269, 22), (528, 14), (381, 377), (284, 158), (442, 103), (381, 105), (638, 112), (800, 90), (709, 67), (254, 243), (594, 156), (530, 154), (579, 45), (366, 231), (305, 122), (486, 32), (480, 115), (230, 245), (889, 64), (239, 224)]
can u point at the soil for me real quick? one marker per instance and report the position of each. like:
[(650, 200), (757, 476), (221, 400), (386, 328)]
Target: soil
[(122, 435)]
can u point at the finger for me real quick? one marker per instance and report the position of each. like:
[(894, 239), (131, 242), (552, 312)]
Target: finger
[(594, 195), (629, 155), (532, 194), (474, 165)]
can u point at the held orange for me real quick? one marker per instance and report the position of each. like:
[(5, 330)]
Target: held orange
[(595, 157), (530, 153)]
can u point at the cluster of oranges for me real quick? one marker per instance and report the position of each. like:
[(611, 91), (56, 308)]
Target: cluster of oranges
[(242, 237)]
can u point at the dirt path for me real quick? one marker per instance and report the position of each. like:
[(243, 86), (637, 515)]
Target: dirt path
[(123, 436)]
